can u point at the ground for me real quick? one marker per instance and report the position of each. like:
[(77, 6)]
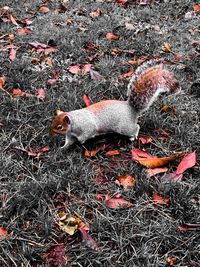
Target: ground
[(35, 189)]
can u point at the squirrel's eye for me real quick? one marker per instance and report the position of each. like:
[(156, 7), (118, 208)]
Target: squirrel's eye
[(59, 127)]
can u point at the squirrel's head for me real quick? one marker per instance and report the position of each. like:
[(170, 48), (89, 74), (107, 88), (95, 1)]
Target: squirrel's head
[(60, 123)]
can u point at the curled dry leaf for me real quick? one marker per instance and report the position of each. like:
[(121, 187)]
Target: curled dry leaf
[(126, 181), (156, 162), (112, 152), (171, 261), (32, 154), (158, 199), (112, 36), (127, 75), (118, 202), (70, 224), (87, 100), (96, 13)]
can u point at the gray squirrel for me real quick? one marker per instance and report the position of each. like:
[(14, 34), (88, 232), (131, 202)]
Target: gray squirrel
[(149, 81)]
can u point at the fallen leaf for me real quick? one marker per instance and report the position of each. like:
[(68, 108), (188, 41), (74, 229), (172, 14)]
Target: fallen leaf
[(112, 36), (178, 57), (126, 181), (12, 19), (61, 9), (2, 81), (89, 241), (90, 47), (121, 2), (19, 92), (144, 2), (38, 45), (112, 152), (189, 226), (118, 202), (164, 108), (75, 69), (171, 261), (145, 140), (55, 255), (26, 21), (86, 68), (40, 94), (87, 100), (167, 48), (156, 162), (48, 61), (129, 26), (187, 162), (12, 53), (158, 199), (137, 153), (96, 13), (44, 9), (93, 152), (196, 7), (55, 77), (24, 31), (95, 75), (171, 177), (3, 233), (152, 172)]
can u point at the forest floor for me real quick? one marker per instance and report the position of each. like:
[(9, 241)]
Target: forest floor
[(43, 186)]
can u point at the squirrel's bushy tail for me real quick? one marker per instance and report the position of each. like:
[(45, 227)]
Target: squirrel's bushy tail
[(149, 80)]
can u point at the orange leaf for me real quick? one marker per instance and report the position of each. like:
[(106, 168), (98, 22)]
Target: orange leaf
[(167, 48), (128, 74), (48, 62), (2, 81), (152, 172), (171, 261), (96, 13), (196, 7), (125, 181), (3, 233), (87, 100), (164, 108), (187, 162), (93, 153), (112, 36), (44, 9), (156, 162), (112, 152), (160, 199)]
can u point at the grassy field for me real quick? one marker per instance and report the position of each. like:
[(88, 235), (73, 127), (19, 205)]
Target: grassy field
[(35, 188)]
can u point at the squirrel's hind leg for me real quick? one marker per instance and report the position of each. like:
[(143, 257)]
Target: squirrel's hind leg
[(135, 133), (131, 130)]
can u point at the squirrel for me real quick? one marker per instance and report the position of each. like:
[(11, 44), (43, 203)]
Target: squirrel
[(149, 81)]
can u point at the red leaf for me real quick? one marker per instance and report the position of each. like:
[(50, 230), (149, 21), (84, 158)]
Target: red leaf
[(112, 36), (26, 21), (12, 54), (152, 172), (121, 2), (24, 31), (40, 94), (19, 92), (126, 181), (137, 153), (86, 68), (44, 9), (160, 199), (117, 202), (196, 7), (87, 100), (75, 69), (3, 233), (96, 13), (187, 162), (55, 255), (56, 77), (89, 241)]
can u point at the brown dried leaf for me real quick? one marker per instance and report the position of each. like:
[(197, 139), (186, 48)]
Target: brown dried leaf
[(158, 199), (44, 9), (112, 36), (2, 81), (167, 48), (96, 13), (112, 152), (156, 162)]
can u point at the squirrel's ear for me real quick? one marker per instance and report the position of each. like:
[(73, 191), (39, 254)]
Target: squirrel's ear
[(66, 119), (58, 111)]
